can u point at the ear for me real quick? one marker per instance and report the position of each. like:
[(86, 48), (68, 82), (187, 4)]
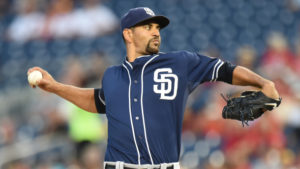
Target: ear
[(127, 34)]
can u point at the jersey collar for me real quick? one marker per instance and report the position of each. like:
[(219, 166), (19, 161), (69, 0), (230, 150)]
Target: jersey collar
[(141, 60)]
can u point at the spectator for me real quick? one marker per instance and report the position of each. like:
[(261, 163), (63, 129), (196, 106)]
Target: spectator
[(94, 19), (246, 56), (59, 19), (92, 158), (28, 23), (278, 56)]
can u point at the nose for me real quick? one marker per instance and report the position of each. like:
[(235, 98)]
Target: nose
[(155, 32)]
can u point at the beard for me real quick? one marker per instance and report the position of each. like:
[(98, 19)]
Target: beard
[(152, 49)]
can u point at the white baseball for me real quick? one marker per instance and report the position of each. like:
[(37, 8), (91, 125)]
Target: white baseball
[(34, 76)]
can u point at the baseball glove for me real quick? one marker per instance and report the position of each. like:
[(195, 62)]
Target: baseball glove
[(249, 106)]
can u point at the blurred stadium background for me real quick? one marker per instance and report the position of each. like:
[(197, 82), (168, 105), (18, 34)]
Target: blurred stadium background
[(75, 40)]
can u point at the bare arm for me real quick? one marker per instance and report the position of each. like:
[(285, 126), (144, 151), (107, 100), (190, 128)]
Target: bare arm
[(81, 97), (245, 77)]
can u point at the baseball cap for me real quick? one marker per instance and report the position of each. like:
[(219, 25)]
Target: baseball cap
[(141, 14)]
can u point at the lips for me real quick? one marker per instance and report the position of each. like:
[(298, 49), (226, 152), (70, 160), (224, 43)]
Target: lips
[(155, 41)]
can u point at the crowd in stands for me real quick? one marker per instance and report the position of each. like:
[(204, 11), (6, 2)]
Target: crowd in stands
[(60, 20), (76, 40)]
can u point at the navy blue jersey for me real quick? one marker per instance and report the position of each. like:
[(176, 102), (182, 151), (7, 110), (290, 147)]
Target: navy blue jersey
[(144, 102)]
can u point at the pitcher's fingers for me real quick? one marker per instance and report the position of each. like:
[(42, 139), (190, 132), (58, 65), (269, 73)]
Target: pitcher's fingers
[(31, 70), (36, 68), (32, 86), (39, 82)]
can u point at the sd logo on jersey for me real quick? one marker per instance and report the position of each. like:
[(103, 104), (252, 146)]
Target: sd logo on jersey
[(167, 83)]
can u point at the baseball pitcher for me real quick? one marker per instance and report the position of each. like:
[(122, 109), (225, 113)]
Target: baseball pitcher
[(144, 98)]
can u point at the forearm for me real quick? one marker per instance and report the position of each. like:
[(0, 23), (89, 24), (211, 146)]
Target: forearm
[(245, 77), (81, 97)]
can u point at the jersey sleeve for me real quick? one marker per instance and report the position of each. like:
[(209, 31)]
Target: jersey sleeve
[(99, 100), (201, 68), (226, 72)]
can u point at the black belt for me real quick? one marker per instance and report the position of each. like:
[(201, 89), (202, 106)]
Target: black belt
[(108, 166)]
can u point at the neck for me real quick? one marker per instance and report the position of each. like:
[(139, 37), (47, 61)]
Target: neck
[(132, 54)]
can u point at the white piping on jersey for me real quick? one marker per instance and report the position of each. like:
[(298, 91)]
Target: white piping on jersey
[(103, 102), (136, 58), (129, 64), (214, 74), (130, 115), (217, 73), (142, 107), (143, 56)]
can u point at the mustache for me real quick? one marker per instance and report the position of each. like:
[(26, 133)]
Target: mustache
[(155, 38)]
